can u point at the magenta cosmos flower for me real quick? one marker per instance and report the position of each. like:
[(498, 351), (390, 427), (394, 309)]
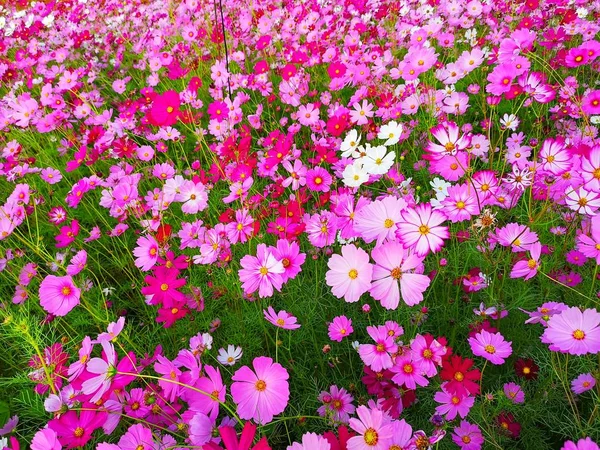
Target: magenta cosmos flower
[(374, 430), (574, 332), (59, 295), (490, 346), (420, 229), (452, 405), (311, 441), (350, 274), (339, 328), (282, 319), (261, 272), (468, 436), (393, 275), (262, 393), (582, 444), (528, 268), (583, 383)]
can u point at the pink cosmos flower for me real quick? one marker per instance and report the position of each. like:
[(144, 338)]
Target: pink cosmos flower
[(517, 236), (374, 430), (461, 203), (58, 295), (170, 377), (261, 272), (213, 385), (378, 356), (163, 286), (194, 197), (393, 274), (77, 263), (76, 368), (490, 346), (590, 104), (574, 332), (339, 328), (583, 383), (282, 319), (420, 229), (378, 219), (46, 439), (112, 331), (501, 79), (582, 444), (514, 392), (231, 441), (452, 404), (337, 403), (146, 253), (427, 352), (137, 437), (321, 228), (590, 246), (350, 274), (528, 269), (289, 254), (262, 393), (67, 234), (165, 109), (361, 113), (311, 441), (318, 179), (468, 436), (450, 141), (76, 431), (51, 175), (408, 372)]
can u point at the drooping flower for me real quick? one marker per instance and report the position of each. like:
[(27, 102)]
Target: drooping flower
[(514, 392), (262, 393)]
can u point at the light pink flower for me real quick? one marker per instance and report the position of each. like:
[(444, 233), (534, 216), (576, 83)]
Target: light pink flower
[(350, 274)]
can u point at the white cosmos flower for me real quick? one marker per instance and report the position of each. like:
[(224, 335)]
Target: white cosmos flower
[(378, 161), (351, 142), (355, 174), (390, 131)]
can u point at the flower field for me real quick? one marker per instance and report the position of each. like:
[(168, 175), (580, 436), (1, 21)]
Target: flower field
[(300, 225)]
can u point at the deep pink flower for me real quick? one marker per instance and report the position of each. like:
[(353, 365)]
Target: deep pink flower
[(453, 404), (163, 286), (421, 229), (262, 393), (76, 431), (58, 295), (378, 356), (374, 430), (339, 328), (67, 234), (165, 109), (468, 436)]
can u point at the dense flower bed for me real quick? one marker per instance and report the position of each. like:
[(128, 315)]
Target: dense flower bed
[(302, 225)]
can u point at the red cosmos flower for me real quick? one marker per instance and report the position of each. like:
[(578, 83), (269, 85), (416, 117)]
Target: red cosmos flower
[(461, 380), (163, 234), (165, 109), (339, 442), (508, 423), (526, 368)]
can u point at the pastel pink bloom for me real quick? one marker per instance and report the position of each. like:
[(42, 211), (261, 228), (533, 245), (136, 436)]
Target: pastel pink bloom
[(517, 236), (76, 368), (583, 383), (378, 356), (468, 436), (583, 201), (393, 274), (378, 219), (241, 229), (311, 441), (50, 175), (574, 332), (590, 169), (408, 372), (582, 444), (146, 253), (308, 115), (452, 404), (401, 434), (297, 177), (58, 295), (490, 346), (339, 328), (282, 319), (337, 403), (137, 437), (289, 254), (194, 197), (375, 431), (262, 393), (361, 113), (514, 392), (528, 268), (421, 229), (349, 275), (261, 272), (77, 263), (450, 141), (461, 203), (170, 377), (46, 439), (104, 371), (112, 331), (590, 246), (554, 156)]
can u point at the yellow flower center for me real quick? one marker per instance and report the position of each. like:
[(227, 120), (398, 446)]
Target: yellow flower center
[(388, 223), (353, 274), (490, 349), (371, 437), (260, 385), (164, 287), (579, 335)]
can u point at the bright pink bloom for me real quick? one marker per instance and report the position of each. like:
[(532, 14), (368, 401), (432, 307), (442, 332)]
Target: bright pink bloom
[(528, 268), (213, 385), (514, 392), (261, 272), (574, 332), (311, 441), (76, 431), (137, 437), (501, 79), (408, 372), (590, 104), (77, 263), (450, 141), (461, 203), (146, 252), (170, 377), (282, 319), (393, 274), (490, 346), (375, 431), (378, 356), (262, 393), (590, 246), (289, 254), (67, 234), (58, 295), (421, 229), (468, 436), (165, 109), (163, 286), (583, 383), (46, 439), (339, 328), (318, 179), (349, 275), (231, 442), (582, 444), (452, 404), (337, 403)]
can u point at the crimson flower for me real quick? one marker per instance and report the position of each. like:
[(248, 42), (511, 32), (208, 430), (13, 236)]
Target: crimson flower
[(461, 380)]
